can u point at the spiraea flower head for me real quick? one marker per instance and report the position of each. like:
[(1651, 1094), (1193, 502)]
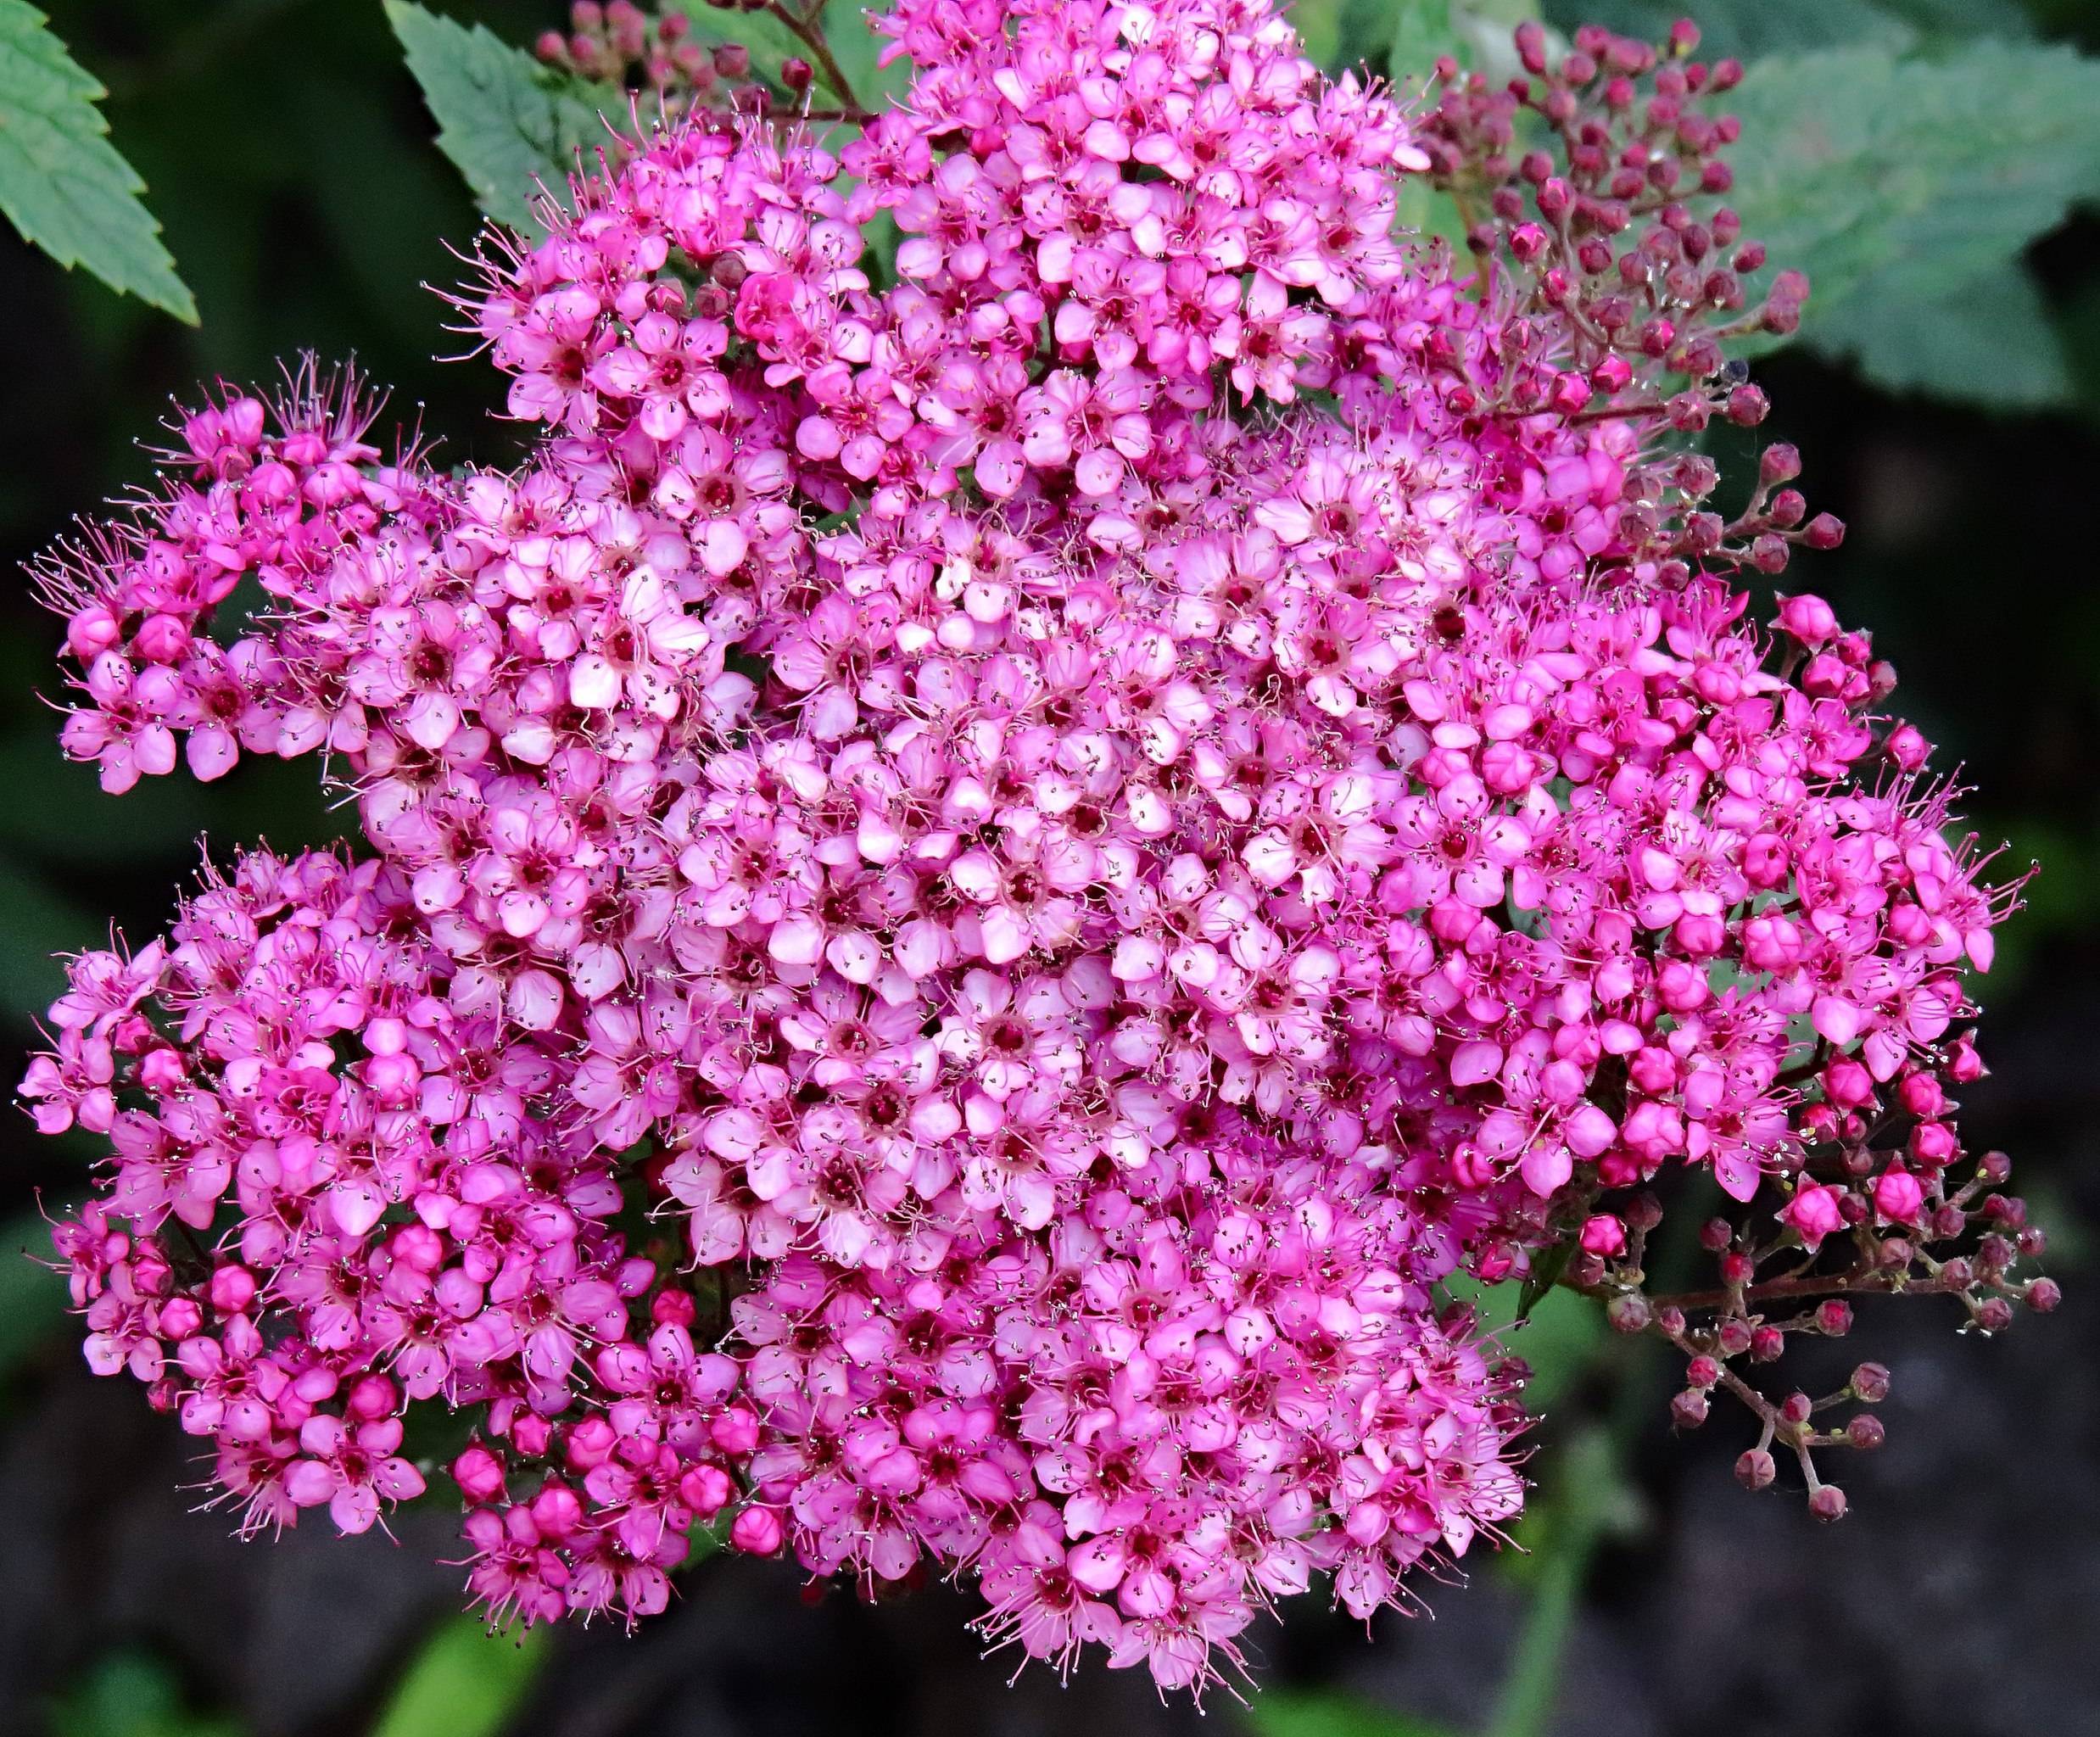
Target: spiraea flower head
[(979, 879)]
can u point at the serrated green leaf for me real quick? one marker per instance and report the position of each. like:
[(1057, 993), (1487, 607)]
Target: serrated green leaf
[(509, 123), (464, 1682), (62, 183), (1992, 343), (1897, 183)]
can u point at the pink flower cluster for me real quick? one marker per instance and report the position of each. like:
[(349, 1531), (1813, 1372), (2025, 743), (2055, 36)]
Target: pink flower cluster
[(1085, 825)]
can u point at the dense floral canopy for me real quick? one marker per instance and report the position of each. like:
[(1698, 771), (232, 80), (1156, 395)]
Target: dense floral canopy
[(979, 878)]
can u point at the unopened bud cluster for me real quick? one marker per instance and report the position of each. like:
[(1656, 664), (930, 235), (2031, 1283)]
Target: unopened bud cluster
[(1592, 186), (676, 68), (1882, 1202)]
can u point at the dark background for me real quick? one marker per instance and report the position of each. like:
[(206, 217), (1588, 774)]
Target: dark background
[(288, 157)]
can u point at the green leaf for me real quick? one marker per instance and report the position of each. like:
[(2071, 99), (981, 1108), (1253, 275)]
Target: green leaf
[(1362, 32), (1744, 28), (505, 121), (856, 47), (1478, 34), (769, 40), (1557, 1334), (1421, 30), (1282, 1712), (464, 1682), (1992, 342), (62, 183), (1749, 28), (2007, 18), (1897, 183)]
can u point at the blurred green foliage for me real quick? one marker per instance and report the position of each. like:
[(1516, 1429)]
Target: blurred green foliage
[(464, 1682), (133, 1695)]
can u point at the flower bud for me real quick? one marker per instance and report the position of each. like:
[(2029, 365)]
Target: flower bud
[(1897, 1197), (1753, 1469), (707, 1490), (1833, 1316), (2043, 1295), (557, 1511), (1827, 1503), (1688, 1410), (180, 1318), (1865, 1432), (1870, 1383), (233, 1288), (1628, 1313), (1781, 463), (757, 1532), (1964, 1064), (1826, 531), (1994, 1315), (479, 1474), (736, 1431), (1808, 619)]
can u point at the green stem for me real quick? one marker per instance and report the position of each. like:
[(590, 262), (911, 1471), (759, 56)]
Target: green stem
[(809, 27), (1591, 1475)]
